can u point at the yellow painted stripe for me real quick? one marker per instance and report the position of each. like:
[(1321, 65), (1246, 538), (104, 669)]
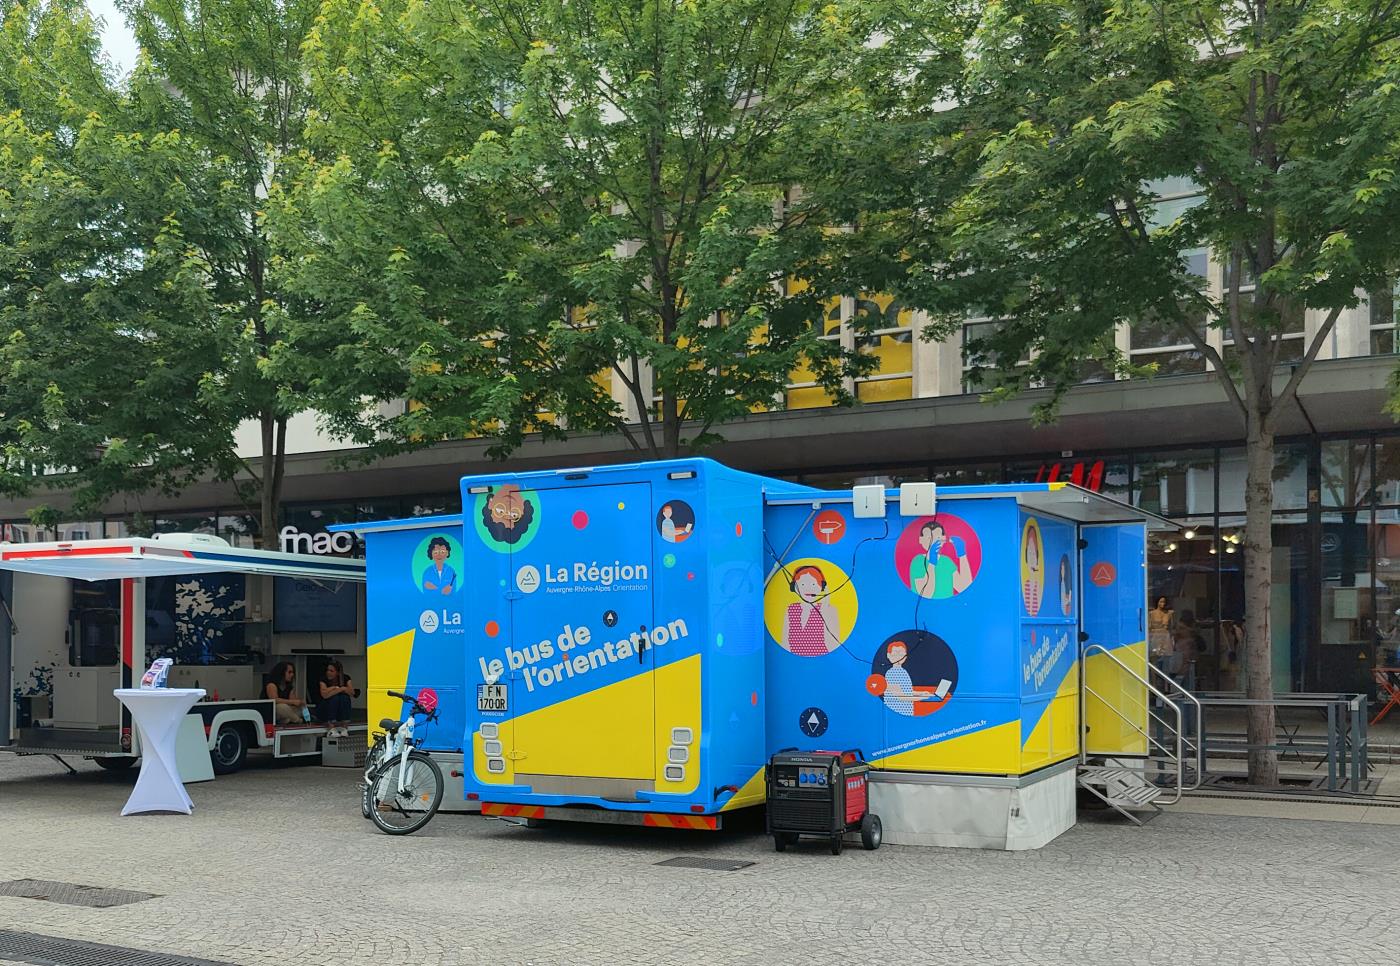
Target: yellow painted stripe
[(753, 793), (386, 669), (995, 750)]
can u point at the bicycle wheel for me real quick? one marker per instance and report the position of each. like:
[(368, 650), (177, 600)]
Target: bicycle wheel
[(373, 760), (402, 811)]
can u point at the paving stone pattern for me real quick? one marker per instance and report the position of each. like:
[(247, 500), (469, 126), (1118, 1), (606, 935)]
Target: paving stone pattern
[(276, 866)]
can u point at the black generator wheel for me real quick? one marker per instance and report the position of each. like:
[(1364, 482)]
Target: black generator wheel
[(871, 832), (836, 844), (781, 840)]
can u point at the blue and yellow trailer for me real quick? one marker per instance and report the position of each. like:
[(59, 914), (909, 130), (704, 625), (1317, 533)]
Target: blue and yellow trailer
[(939, 631), (615, 642), (630, 643)]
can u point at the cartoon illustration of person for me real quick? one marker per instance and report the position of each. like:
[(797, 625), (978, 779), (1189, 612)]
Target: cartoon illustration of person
[(1066, 586), (440, 577), (899, 695), (507, 514), (811, 626), (669, 531), (1032, 577), (942, 570)]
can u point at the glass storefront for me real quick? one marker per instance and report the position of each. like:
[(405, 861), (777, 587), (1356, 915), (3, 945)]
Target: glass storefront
[(1335, 601)]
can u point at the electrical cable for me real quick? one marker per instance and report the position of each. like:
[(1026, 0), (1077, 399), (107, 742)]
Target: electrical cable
[(841, 645), (850, 576)]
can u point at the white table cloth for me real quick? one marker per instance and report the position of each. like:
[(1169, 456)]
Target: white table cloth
[(157, 713)]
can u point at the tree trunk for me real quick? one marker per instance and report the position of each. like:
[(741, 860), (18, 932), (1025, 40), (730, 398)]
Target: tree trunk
[(274, 458), (1258, 580), (670, 426)]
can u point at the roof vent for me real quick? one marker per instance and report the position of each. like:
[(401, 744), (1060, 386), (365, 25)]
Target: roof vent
[(191, 539)]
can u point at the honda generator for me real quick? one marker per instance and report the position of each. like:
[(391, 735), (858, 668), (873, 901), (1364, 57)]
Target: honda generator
[(820, 793)]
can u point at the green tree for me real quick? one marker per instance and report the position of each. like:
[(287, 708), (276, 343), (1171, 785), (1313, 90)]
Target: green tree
[(106, 351), (1067, 119), (145, 321), (506, 200), (230, 78)]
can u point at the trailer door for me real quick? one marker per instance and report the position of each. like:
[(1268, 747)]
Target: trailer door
[(1114, 601), (580, 658)]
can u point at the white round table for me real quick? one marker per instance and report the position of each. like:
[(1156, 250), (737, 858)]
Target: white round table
[(157, 713)]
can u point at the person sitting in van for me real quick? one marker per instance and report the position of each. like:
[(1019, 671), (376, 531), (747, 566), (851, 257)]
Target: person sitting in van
[(336, 692), (287, 707)]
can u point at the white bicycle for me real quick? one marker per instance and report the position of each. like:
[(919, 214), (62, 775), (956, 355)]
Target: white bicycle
[(403, 785)]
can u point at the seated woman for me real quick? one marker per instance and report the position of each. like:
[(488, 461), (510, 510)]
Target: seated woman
[(287, 707), (336, 691)]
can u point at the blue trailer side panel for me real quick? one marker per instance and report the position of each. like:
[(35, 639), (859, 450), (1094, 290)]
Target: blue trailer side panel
[(1049, 640), (897, 635), (604, 590), (416, 608)]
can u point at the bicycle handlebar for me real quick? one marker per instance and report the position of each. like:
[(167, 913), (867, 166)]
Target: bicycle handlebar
[(417, 708)]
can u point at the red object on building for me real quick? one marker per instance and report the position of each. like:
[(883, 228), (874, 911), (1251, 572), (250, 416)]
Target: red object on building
[(1087, 475)]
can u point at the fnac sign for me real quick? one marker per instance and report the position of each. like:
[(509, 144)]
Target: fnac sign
[(1087, 475)]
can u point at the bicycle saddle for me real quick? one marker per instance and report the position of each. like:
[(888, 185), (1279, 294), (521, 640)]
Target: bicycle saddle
[(389, 724)]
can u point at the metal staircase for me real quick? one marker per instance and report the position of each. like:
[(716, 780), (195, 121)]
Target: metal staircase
[(1172, 762)]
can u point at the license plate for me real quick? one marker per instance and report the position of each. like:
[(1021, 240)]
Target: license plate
[(491, 697)]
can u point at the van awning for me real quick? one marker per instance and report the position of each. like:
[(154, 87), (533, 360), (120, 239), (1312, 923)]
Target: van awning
[(128, 557)]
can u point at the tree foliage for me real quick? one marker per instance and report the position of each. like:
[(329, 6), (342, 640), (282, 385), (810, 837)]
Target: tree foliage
[(106, 350), (516, 205), (143, 317), (1066, 124)]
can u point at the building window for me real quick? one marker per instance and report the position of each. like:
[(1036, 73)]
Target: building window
[(241, 529), (845, 479), (1290, 478), (803, 391), (885, 329), (1293, 319), (186, 523), (1176, 484), (1383, 300), (1160, 342), (977, 474), (1345, 473), (432, 506), (1109, 475), (979, 364)]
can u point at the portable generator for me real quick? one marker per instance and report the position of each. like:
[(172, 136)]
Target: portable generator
[(820, 793)]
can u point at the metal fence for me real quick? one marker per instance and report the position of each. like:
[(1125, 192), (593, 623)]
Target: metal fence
[(1341, 745)]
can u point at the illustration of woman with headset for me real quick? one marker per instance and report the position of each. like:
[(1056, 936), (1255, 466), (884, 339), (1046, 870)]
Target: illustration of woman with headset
[(811, 626)]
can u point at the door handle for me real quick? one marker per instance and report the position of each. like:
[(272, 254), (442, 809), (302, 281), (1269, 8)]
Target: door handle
[(642, 645)]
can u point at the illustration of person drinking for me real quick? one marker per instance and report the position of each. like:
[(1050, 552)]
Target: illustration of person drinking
[(942, 569)]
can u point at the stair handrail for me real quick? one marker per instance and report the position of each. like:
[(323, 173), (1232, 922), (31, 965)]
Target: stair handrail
[(1199, 745), (1084, 685)]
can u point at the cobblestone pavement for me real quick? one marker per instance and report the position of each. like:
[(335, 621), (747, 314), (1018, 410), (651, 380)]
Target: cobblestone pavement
[(276, 866)]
